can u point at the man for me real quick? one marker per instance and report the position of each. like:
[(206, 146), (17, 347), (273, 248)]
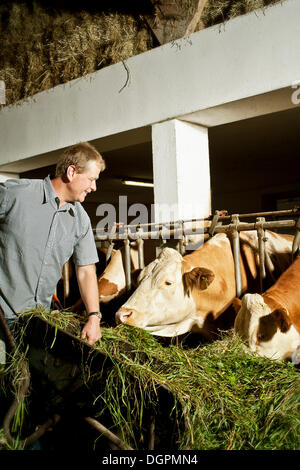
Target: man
[(43, 224)]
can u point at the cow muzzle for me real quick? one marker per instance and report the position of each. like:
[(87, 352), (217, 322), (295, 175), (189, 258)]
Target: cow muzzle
[(126, 316)]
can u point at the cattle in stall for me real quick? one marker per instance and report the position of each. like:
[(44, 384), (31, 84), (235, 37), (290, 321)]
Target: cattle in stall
[(112, 281), (176, 294), (270, 322), (58, 298)]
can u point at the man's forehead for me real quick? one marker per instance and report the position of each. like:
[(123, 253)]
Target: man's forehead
[(92, 167)]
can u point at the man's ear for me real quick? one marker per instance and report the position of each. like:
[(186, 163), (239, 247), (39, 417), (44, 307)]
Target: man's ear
[(236, 303), (199, 278), (282, 320), (71, 172)]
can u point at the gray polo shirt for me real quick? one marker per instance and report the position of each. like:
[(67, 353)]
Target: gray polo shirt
[(36, 239)]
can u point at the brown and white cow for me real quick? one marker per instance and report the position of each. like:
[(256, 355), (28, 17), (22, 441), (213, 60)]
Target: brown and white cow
[(270, 322), (193, 293), (112, 281)]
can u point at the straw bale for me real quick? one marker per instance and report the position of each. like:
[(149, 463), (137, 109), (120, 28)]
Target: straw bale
[(43, 47), (41, 50), (218, 11)]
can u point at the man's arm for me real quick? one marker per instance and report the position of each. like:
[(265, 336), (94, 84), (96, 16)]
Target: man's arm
[(88, 286)]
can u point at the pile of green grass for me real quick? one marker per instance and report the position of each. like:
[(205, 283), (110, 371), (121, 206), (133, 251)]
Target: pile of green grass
[(223, 396), (229, 399)]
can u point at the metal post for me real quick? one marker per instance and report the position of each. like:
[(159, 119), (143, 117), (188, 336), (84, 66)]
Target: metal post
[(182, 243), (127, 264), (268, 262), (182, 246), (140, 245), (236, 254), (261, 250), (162, 241), (214, 223), (178, 236), (109, 251)]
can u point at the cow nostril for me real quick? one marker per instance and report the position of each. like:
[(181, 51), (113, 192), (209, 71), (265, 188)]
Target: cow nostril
[(126, 314), (123, 315)]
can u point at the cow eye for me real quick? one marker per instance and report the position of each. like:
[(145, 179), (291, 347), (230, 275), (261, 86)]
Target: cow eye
[(260, 337), (168, 283)]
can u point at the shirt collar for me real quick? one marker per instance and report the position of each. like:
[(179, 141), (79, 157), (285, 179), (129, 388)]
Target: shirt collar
[(50, 194)]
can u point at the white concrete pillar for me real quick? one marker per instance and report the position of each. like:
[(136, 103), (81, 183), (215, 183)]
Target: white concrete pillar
[(181, 171), (6, 176)]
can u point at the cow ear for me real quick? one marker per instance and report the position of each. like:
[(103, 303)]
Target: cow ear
[(282, 320), (199, 278), (236, 303)]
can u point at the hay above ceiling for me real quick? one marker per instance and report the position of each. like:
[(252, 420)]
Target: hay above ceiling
[(42, 47)]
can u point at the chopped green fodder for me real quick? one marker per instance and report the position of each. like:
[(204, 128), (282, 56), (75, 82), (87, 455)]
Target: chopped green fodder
[(4, 444), (224, 397), (16, 370)]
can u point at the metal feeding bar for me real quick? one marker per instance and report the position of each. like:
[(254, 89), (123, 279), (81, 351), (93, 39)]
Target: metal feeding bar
[(179, 230), (236, 254), (132, 232), (197, 228), (222, 215), (127, 264), (287, 212), (214, 223), (140, 245), (243, 226), (261, 250), (167, 234)]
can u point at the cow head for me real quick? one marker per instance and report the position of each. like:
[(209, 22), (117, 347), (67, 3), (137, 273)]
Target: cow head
[(164, 293), (269, 331)]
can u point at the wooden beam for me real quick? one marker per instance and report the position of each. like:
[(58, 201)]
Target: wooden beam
[(196, 18), (170, 21)]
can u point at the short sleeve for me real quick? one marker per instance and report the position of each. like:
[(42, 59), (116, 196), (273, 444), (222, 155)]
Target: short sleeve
[(85, 251), (3, 201)]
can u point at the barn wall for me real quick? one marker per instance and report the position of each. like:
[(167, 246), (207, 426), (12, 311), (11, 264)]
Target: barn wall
[(255, 163)]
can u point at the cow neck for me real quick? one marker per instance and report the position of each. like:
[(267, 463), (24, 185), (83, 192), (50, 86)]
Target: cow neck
[(285, 293)]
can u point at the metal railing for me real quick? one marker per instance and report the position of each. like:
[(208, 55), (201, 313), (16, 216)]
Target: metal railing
[(206, 228)]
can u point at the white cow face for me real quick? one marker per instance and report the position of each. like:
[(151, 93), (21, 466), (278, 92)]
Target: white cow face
[(163, 293), (269, 332)]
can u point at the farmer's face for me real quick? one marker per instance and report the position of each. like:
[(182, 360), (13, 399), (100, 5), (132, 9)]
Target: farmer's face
[(83, 183)]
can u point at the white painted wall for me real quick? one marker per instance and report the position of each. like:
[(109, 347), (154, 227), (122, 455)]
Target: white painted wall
[(250, 55), (181, 171)]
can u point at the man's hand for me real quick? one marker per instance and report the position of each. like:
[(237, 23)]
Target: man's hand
[(91, 330), (88, 286)]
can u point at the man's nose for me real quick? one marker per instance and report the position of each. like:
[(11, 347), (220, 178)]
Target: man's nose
[(93, 186)]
